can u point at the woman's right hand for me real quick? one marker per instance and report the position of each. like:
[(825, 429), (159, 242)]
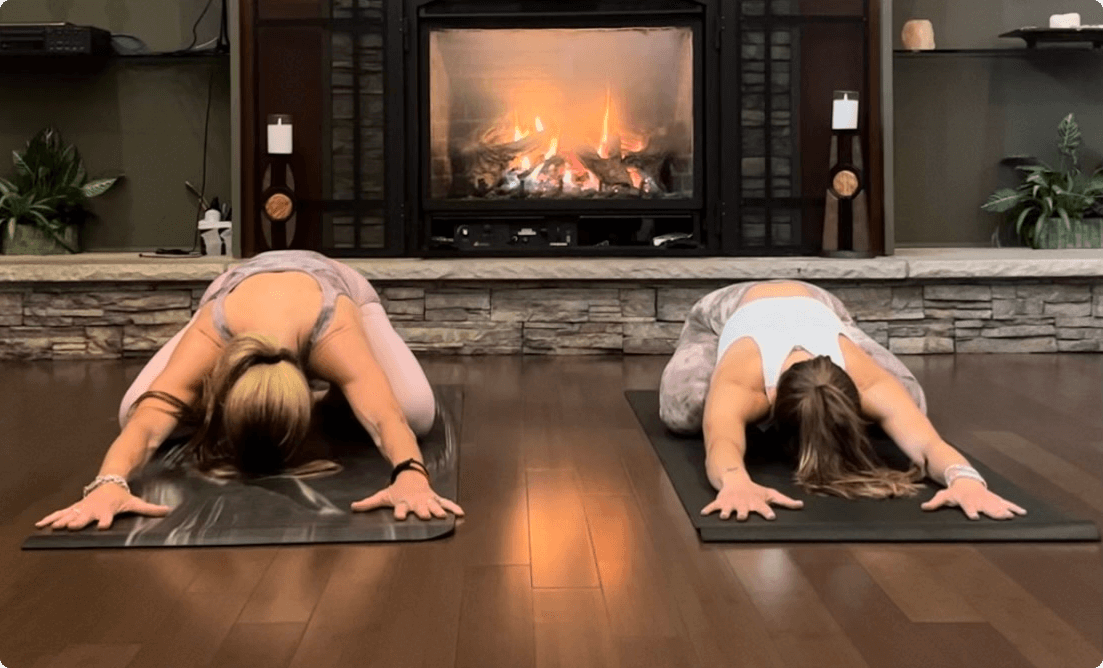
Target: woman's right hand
[(101, 506), (746, 496)]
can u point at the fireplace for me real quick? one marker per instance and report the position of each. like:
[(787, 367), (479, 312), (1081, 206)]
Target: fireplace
[(551, 131), (453, 128), (589, 115)]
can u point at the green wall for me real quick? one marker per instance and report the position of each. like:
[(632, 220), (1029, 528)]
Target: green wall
[(141, 119), (957, 116)]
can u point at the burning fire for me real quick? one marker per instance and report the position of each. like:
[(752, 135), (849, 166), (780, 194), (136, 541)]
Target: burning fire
[(549, 165)]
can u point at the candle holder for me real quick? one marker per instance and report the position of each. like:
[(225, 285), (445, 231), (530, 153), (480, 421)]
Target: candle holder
[(846, 214), (278, 202)]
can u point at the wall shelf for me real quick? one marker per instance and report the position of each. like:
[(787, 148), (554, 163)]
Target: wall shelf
[(84, 65), (1015, 52), (169, 58)]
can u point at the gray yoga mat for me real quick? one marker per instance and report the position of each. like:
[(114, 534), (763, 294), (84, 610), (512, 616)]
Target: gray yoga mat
[(828, 518), (282, 510)]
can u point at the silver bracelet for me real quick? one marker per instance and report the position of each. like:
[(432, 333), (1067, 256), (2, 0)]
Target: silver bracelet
[(955, 471), (105, 479)]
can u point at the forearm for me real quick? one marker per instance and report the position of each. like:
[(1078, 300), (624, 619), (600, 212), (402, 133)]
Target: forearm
[(129, 452), (724, 461), (939, 456), (397, 442)]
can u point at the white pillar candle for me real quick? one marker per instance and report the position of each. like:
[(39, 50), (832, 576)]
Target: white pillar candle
[(845, 114), (279, 134), (1064, 21)]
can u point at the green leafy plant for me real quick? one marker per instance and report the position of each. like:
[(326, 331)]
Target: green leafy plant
[(50, 188), (1046, 193)]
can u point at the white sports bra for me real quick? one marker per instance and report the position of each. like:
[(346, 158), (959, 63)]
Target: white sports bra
[(779, 324)]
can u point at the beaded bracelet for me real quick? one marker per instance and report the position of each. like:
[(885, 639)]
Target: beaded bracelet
[(103, 480), (956, 471)]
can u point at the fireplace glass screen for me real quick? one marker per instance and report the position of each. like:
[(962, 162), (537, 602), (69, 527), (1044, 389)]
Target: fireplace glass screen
[(564, 114)]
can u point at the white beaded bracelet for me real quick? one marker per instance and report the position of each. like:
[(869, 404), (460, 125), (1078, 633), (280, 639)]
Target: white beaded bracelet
[(105, 479), (956, 471)]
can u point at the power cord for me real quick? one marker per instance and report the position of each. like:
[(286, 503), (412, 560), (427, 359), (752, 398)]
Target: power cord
[(201, 192), (220, 43), (195, 27)]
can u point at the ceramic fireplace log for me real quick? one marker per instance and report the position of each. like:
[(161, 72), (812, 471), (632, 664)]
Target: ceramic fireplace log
[(650, 161), (483, 164), (610, 171)]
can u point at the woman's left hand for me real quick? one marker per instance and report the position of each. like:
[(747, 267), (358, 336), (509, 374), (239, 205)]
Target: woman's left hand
[(974, 498), (410, 492)]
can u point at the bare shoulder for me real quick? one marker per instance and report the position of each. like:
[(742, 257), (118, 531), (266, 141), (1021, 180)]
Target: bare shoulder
[(195, 355), (741, 364), (862, 368), (740, 371), (341, 351)]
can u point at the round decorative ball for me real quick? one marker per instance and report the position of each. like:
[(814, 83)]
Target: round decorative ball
[(278, 207), (845, 183)]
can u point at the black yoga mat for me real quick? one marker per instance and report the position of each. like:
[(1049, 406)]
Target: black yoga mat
[(281, 510), (828, 518)]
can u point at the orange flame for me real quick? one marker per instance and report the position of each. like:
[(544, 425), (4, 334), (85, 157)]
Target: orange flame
[(603, 147), (517, 133), (553, 148)]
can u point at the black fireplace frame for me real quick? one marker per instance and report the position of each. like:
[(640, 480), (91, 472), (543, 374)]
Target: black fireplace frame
[(419, 21)]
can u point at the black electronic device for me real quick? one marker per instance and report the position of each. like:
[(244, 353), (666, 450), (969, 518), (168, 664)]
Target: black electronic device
[(514, 236), (53, 39)]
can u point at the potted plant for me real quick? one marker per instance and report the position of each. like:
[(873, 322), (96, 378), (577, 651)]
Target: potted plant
[(1050, 205), (43, 206)]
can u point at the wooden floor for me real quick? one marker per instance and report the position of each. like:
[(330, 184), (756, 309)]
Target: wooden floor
[(575, 552)]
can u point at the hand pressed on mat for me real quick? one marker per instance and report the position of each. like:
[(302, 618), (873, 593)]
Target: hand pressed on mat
[(410, 492), (101, 506), (974, 498), (744, 496)]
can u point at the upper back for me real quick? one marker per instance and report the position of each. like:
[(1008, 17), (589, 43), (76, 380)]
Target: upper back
[(278, 290)]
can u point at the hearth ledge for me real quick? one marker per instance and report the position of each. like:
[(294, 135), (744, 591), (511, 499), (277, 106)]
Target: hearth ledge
[(910, 263)]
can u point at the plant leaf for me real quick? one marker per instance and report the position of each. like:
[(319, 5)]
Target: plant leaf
[(1068, 137), (1019, 222), (79, 177), (1065, 217), (97, 187), (21, 166), (1002, 200)]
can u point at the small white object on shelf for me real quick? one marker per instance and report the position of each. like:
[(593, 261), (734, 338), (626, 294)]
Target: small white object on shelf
[(844, 114), (1064, 21), (215, 234)]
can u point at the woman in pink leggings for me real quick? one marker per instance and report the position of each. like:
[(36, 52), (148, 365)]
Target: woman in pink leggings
[(236, 379)]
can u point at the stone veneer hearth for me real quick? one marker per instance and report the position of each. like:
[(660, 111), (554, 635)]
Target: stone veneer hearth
[(53, 311)]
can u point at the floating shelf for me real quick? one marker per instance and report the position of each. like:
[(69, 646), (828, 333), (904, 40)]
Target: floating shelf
[(1035, 36), (1015, 52), (166, 58), (82, 65)]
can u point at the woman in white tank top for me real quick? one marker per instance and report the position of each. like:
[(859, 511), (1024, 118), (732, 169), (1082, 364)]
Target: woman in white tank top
[(787, 354)]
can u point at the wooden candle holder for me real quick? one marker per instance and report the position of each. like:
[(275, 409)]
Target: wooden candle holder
[(847, 209)]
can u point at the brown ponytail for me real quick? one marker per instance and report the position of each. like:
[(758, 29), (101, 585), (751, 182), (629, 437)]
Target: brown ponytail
[(818, 409)]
